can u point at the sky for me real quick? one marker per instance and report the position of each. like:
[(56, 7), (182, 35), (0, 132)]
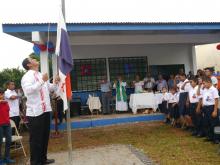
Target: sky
[(13, 50)]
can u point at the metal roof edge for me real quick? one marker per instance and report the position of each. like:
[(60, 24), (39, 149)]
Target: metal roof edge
[(75, 27), (112, 23)]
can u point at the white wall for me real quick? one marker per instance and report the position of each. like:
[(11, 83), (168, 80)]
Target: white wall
[(157, 54), (208, 56)]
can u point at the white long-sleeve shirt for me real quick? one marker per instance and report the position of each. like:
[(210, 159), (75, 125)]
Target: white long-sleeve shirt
[(37, 92), (13, 104)]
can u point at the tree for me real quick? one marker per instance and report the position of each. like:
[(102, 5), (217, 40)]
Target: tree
[(14, 74)]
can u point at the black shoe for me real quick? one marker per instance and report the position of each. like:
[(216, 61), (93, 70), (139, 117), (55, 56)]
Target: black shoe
[(178, 126), (187, 128), (200, 136), (167, 121), (208, 140), (49, 161), (194, 133), (215, 142)]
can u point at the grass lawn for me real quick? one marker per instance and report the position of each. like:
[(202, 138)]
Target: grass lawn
[(163, 144)]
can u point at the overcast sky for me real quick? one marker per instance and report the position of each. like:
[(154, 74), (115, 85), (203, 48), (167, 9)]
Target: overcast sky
[(13, 50)]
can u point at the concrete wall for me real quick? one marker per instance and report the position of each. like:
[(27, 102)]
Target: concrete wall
[(157, 54), (208, 56)]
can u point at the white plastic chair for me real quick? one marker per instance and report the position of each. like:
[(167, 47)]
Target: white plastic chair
[(217, 131), (17, 139)]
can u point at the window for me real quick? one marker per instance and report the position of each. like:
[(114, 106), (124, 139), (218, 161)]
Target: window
[(87, 73), (128, 67), (165, 70)]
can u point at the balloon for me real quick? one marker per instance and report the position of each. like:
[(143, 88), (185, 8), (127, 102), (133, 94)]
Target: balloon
[(50, 47), (36, 50), (218, 47), (42, 47)]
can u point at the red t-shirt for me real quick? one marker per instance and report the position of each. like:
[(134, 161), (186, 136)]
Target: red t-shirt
[(4, 113)]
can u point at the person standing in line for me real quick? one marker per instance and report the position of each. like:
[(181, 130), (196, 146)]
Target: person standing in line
[(209, 109), (193, 119), (106, 95), (36, 88), (209, 73), (173, 112), (183, 87)]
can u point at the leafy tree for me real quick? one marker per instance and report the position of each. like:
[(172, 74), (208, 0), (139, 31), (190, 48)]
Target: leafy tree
[(14, 74)]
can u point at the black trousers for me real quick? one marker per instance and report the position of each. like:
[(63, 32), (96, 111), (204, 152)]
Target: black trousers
[(182, 104), (60, 112), (17, 120), (209, 122), (174, 112), (163, 107), (196, 118), (39, 129)]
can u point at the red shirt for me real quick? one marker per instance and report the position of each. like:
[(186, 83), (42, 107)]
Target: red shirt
[(4, 113)]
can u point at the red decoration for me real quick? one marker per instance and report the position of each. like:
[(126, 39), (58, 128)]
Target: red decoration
[(86, 70), (218, 47), (42, 47)]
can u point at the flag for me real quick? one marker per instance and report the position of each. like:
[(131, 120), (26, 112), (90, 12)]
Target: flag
[(65, 62)]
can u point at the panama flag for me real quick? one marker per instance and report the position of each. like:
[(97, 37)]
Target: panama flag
[(65, 62)]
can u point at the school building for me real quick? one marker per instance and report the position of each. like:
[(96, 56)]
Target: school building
[(109, 42)]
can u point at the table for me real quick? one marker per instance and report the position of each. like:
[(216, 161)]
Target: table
[(94, 103), (144, 100)]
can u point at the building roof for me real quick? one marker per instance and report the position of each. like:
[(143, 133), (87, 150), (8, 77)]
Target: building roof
[(77, 27), (121, 17)]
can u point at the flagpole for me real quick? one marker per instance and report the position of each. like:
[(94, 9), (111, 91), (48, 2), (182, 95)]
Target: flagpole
[(69, 136)]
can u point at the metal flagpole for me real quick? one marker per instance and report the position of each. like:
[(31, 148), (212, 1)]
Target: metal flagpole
[(69, 136)]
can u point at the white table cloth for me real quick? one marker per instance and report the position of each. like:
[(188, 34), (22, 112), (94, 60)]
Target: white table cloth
[(144, 100), (159, 98), (94, 103)]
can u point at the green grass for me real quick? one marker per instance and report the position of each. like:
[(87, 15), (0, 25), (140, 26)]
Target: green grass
[(162, 143)]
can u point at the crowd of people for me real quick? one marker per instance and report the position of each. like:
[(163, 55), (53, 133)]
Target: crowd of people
[(188, 101), (192, 103)]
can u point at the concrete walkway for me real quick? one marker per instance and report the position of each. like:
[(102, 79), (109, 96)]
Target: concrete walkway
[(106, 155)]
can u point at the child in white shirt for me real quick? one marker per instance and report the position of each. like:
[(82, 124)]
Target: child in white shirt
[(209, 105), (173, 106), (163, 107), (193, 120)]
